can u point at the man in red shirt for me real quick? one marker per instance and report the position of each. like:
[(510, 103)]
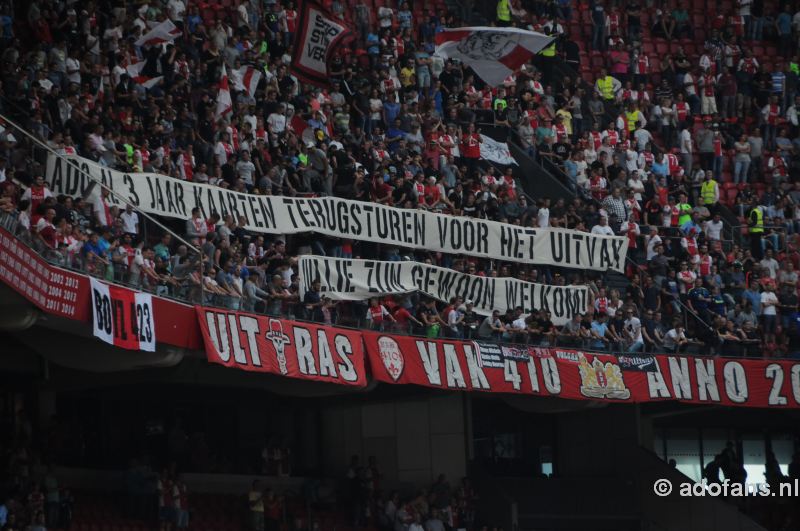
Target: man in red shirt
[(471, 148), (45, 229), (403, 318)]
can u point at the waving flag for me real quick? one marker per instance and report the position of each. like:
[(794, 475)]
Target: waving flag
[(164, 32), (246, 78), (496, 152), (319, 33), (100, 95), (224, 103), (493, 53), (135, 71)]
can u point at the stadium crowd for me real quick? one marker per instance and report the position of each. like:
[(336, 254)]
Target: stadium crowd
[(645, 152), (31, 499)]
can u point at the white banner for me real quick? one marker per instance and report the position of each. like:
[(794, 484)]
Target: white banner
[(344, 218), (122, 317), (496, 151), (345, 279)]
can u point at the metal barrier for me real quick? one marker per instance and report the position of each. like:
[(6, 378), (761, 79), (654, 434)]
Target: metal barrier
[(777, 238), (551, 340)]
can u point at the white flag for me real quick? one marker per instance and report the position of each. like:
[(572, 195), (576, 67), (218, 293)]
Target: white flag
[(135, 71), (493, 53), (160, 34), (246, 78), (224, 104), (495, 151)]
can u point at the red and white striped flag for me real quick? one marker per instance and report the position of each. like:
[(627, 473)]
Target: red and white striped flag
[(493, 53), (224, 103), (135, 71), (164, 32), (100, 95), (246, 78)]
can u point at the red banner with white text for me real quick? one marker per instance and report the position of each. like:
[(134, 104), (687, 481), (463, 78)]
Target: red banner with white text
[(261, 343), (53, 290), (577, 375)]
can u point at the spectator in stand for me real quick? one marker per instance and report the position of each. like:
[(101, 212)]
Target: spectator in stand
[(399, 126)]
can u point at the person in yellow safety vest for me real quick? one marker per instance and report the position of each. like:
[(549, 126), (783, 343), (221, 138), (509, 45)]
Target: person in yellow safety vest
[(504, 12), (709, 191), (549, 51), (756, 223), (633, 117), (607, 86)]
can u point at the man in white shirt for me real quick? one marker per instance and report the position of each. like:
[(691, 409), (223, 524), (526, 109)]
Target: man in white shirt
[(602, 227), (130, 222), (713, 228), (653, 241), (223, 149), (135, 272), (633, 332), (642, 137), (769, 306), (73, 65), (276, 122), (245, 168), (454, 319), (675, 339), (770, 264), (543, 215), (793, 111), (685, 141)]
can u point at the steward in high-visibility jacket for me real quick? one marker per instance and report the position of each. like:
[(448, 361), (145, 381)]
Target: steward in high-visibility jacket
[(709, 191), (607, 86), (504, 12), (756, 223)]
